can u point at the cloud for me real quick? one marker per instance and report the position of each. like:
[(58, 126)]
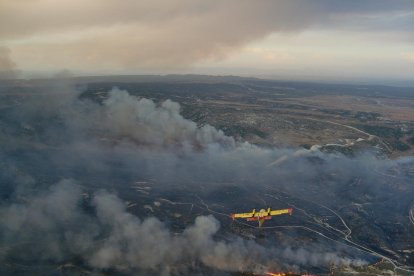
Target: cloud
[(173, 34), (410, 57)]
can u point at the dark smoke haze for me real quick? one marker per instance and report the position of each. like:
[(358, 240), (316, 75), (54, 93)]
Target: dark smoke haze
[(64, 158)]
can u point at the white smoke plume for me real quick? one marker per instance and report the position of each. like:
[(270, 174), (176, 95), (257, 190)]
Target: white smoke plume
[(125, 118), (304, 256), (149, 244), (146, 123)]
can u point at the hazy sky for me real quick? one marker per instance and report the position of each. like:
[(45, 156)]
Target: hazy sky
[(315, 39)]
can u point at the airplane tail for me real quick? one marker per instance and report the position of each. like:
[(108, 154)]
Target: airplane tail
[(261, 222)]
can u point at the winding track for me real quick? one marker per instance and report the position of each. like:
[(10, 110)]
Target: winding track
[(355, 129), (411, 214), (345, 238)]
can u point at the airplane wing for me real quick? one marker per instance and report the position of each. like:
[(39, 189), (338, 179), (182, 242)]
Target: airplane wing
[(280, 212), (243, 215), (262, 214)]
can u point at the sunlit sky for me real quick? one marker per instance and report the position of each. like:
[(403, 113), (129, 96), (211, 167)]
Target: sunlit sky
[(352, 40)]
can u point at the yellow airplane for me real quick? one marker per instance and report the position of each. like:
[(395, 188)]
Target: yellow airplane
[(262, 215)]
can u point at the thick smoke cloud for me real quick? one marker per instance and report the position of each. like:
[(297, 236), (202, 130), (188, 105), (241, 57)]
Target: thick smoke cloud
[(55, 226), (159, 34), (149, 244), (104, 146), (148, 124)]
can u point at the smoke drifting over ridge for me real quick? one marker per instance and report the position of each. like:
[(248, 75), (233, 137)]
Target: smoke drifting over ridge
[(7, 66), (87, 141)]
